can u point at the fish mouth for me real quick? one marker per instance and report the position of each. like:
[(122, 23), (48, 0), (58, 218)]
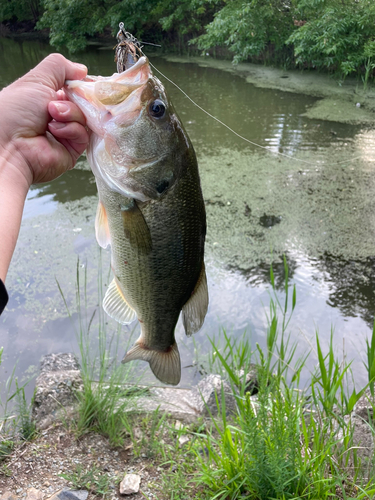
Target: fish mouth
[(102, 98)]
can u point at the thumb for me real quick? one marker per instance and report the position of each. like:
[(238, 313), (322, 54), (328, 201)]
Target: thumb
[(54, 70)]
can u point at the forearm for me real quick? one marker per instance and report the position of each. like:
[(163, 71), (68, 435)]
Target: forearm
[(13, 191)]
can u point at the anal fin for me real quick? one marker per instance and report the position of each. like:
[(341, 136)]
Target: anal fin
[(115, 305), (195, 309), (101, 226), (166, 366)]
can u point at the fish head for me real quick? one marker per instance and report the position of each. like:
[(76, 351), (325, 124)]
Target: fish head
[(136, 134)]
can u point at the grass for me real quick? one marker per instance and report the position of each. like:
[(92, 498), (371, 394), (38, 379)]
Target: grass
[(93, 480), (283, 443), (105, 400), (15, 419)]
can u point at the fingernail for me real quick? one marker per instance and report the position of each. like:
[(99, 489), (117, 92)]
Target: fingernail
[(61, 107), (57, 125)]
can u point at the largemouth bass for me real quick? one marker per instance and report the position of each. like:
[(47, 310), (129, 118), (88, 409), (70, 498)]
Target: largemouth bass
[(151, 210)]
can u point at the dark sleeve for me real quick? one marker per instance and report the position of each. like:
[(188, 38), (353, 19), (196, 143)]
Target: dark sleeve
[(3, 297)]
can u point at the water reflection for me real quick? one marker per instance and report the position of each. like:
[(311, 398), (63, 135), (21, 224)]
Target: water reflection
[(73, 185), (261, 274), (351, 285)]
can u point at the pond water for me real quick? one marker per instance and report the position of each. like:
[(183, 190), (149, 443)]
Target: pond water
[(318, 212)]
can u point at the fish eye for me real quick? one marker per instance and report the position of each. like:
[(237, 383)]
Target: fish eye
[(157, 109)]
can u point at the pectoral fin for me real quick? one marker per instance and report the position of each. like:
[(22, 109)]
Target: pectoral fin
[(166, 366), (195, 309), (115, 305), (101, 227), (135, 227)]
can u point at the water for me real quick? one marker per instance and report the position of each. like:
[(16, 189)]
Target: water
[(259, 207)]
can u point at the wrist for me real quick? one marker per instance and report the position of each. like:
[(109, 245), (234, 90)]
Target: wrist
[(15, 174), (14, 186)]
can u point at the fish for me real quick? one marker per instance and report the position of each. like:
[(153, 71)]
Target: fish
[(151, 211)]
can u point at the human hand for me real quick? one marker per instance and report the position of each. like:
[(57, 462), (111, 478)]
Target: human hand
[(41, 133)]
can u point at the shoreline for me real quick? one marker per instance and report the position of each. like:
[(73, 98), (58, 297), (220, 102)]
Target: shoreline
[(338, 103)]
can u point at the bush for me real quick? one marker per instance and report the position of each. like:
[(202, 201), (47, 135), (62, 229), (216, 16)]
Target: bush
[(337, 35)]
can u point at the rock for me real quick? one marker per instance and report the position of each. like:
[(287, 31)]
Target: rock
[(130, 484), (364, 406), (67, 494), (178, 425), (34, 494), (360, 421), (183, 440), (59, 362), (251, 380), (7, 495), (56, 387), (204, 395)]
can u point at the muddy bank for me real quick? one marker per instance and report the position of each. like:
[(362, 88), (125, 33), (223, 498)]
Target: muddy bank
[(338, 99)]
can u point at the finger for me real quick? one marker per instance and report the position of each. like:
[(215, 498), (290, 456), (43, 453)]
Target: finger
[(55, 69), (71, 131), (72, 135), (61, 96), (66, 111)]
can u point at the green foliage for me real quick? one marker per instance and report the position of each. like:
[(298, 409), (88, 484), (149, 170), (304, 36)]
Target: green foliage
[(72, 21), (251, 28), (6, 448), (284, 443), (371, 360), (15, 419), (337, 35), (93, 480), (25, 424), (20, 10), (186, 16)]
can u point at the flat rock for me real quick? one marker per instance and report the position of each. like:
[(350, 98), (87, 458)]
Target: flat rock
[(130, 484), (59, 362), (67, 494), (205, 393), (7, 495), (56, 387), (34, 494)]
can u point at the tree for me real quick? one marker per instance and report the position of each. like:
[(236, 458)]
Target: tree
[(72, 21), (252, 29), (337, 35)]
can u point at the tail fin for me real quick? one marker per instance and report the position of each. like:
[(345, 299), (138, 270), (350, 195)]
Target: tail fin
[(166, 366)]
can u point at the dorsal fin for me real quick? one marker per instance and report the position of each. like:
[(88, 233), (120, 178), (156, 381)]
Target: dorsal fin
[(115, 305), (101, 226), (195, 309)]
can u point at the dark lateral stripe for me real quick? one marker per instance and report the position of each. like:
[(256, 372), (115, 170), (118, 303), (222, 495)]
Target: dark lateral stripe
[(3, 297)]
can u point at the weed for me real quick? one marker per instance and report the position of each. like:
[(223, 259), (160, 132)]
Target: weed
[(6, 448), (92, 480), (105, 399), (19, 420), (26, 425), (284, 443), (371, 360)]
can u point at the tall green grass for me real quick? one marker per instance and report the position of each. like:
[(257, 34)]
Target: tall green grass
[(286, 442), (15, 411), (106, 397)]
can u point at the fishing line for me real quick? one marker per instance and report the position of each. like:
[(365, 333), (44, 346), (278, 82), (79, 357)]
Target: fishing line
[(317, 163)]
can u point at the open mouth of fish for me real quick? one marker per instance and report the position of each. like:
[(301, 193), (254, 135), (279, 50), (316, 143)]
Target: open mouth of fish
[(118, 96)]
